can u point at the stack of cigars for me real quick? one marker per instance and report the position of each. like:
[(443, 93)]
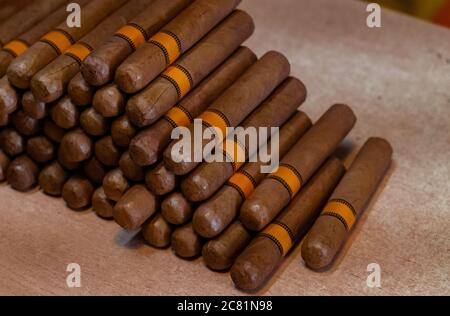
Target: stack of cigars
[(87, 113)]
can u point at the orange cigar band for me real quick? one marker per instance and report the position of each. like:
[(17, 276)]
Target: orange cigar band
[(281, 235), (169, 44), (242, 182), (234, 152), (16, 47), (178, 116), (59, 40), (180, 78), (134, 34), (79, 51), (215, 119), (342, 210), (289, 177)]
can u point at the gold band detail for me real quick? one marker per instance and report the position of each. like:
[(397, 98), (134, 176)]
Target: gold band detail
[(133, 34), (280, 234), (178, 117), (79, 51), (243, 183), (59, 40), (169, 44), (16, 47), (342, 210), (289, 178)]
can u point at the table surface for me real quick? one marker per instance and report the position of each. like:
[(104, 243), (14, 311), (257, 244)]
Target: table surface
[(396, 78)]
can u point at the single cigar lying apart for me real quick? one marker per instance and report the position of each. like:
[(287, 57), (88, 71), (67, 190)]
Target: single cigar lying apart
[(107, 152), (154, 101), (171, 42), (122, 131), (130, 169), (80, 91), (24, 124), (56, 42), (52, 179), (213, 216), (33, 107), (161, 181), (53, 131), (4, 163), (235, 104), (260, 259), (95, 171), (176, 209), (76, 146), (77, 192), (50, 83), (11, 142), (109, 101), (136, 206), (22, 173), (115, 185), (147, 147), (101, 205), (93, 123), (40, 149), (65, 114), (297, 167), (157, 232), (99, 67), (348, 201), (209, 177), (186, 243)]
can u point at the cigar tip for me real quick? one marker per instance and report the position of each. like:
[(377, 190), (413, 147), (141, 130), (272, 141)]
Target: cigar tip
[(138, 110), (108, 100), (317, 254), (143, 153), (212, 255), (44, 88), (8, 99), (22, 173), (95, 70), (205, 221), (382, 142), (254, 214), (195, 188), (245, 275), (128, 77)]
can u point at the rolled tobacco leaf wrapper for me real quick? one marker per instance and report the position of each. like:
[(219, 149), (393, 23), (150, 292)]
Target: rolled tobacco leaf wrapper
[(107, 152), (65, 114), (4, 163), (176, 209), (122, 131), (95, 170), (11, 142), (115, 185), (22, 173), (41, 149), (33, 107), (80, 91), (77, 192), (130, 169), (52, 178), (186, 243), (161, 181), (101, 205), (109, 101), (157, 232)]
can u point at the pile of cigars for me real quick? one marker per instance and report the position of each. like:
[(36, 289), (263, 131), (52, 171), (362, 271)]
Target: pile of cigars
[(87, 113)]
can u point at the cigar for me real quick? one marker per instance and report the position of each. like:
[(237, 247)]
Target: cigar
[(130, 169), (20, 44), (77, 192), (68, 165), (186, 243), (146, 148), (95, 171), (213, 216), (4, 163), (50, 83), (235, 104), (24, 124), (220, 253), (161, 181), (57, 41), (40, 149), (171, 42), (53, 131), (157, 232), (207, 178), (259, 260), (136, 206), (76, 146), (52, 179), (80, 91), (176, 209), (297, 167), (11, 142), (115, 185), (93, 123), (65, 114), (153, 102), (122, 131), (101, 205), (8, 9), (33, 107), (99, 67), (4, 119), (22, 173), (348, 201), (107, 152), (109, 101), (9, 99)]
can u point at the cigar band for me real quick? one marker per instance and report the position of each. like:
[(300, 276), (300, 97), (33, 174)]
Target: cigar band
[(169, 44), (342, 210), (242, 182), (59, 40), (16, 47), (134, 34), (289, 177), (79, 51), (281, 235), (178, 116), (180, 78), (234, 152), (215, 119)]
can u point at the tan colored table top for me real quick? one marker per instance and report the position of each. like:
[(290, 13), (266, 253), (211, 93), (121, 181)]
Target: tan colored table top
[(397, 80)]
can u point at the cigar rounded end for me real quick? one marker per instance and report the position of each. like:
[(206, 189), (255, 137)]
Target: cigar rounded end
[(157, 232), (79, 91), (33, 107), (18, 75), (212, 253), (178, 168), (185, 243), (254, 214), (245, 275), (45, 88), (8, 98), (175, 209), (101, 205), (115, 185), (139, 111), (196, 188), (52, 179), (76, 147), (77, 192), (109, 101), (143, 151), (22, 174), (129, 78), (95, 70), (206, 223)]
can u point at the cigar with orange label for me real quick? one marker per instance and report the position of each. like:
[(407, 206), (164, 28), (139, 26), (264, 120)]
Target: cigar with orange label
[(259, 260), (207, 178), (99, 67), (173, 40), (178, 80), (147, 147), (234, 105), (57, 41), (213, 216), (346, 204), (278, 189)]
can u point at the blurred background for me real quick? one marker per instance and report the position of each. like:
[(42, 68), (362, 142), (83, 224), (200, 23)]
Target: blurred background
[(436, 11)]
